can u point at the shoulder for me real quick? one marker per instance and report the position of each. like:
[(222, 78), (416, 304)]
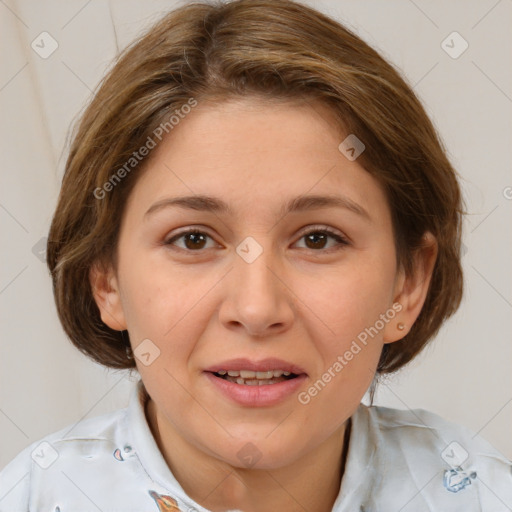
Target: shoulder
[(419, 426), (87, 438), (442, 458)]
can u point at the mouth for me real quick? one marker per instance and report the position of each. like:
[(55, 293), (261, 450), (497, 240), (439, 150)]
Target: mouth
[(261, 383), (252, 378)]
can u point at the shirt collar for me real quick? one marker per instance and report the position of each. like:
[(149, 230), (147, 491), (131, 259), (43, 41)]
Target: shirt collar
[(356, 482), (147, 449)]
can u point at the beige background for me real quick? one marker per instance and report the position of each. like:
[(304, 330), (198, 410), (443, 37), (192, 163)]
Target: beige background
[(46, 384)]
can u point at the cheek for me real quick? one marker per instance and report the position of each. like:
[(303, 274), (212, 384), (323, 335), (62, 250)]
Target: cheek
[(332, 398), (166, 305), (353, 306), (348, 300), (348, 367)]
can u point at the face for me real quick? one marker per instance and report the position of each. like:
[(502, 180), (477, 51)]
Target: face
[(240, 281)]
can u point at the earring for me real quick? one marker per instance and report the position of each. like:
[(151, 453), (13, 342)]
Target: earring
[(129, 353), (400, 326)]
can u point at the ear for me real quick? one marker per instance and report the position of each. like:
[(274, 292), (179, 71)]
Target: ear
[(105, 289), (411, 291)]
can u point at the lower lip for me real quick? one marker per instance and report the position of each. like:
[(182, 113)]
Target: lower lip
[(257, 396)]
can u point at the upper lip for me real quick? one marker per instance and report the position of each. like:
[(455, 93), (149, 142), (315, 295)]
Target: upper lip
[(263, 365)]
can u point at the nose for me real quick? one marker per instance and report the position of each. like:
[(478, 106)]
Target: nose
[(258, 298)]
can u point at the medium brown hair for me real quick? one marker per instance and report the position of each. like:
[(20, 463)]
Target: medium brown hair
[(271, 49)]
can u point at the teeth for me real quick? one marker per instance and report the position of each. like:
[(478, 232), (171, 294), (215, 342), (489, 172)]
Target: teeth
[(249, 374), (265, 375), (255, 382)]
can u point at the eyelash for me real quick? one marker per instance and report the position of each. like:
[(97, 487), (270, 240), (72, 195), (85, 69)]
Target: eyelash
[(342, 241)]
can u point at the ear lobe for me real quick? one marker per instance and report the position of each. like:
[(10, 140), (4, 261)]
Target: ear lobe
[(106, 294), (411, 290)]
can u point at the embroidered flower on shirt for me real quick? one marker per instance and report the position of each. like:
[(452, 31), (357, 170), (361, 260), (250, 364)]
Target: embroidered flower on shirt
[(455, 479), (165, 503), (127, 452)]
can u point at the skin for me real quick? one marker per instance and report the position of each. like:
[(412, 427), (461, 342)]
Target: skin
[(299, 301)]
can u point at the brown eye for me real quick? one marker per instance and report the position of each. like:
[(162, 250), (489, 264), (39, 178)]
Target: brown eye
[(316, 240), (319, 239), (190, 240)]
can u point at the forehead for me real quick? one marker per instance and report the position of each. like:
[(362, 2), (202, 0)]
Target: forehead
[(256, 154)]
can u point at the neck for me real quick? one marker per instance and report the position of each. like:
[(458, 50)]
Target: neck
[(311, 483)]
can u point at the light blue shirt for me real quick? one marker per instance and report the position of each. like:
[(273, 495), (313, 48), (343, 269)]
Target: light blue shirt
[(398, 461)]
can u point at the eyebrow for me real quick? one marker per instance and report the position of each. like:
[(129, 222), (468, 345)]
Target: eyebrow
[(297, 204)]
